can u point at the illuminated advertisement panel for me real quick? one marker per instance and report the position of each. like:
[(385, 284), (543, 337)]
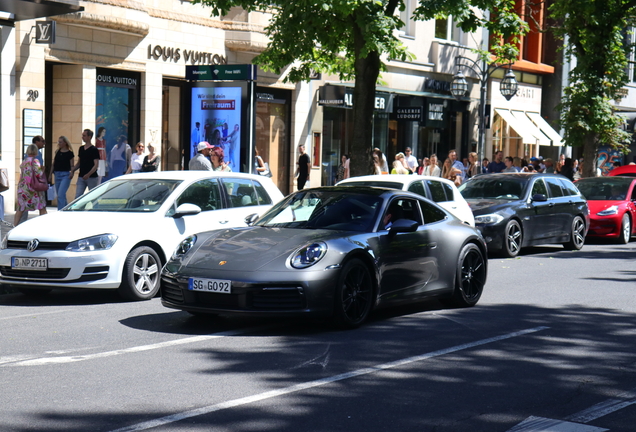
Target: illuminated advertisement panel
[(216, 117)]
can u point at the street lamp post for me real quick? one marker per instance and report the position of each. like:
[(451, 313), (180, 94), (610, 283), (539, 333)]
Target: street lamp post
[(459, 88)]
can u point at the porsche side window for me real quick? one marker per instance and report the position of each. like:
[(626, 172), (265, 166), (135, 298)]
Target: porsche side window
[(204, 193), (418, 188), (404, 209), (431, 213), (539, 188), (555, 187), (437, 190)]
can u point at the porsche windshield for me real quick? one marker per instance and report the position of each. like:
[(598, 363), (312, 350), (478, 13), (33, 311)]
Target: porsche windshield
[(325, 210), (494, 187), (142, 195)]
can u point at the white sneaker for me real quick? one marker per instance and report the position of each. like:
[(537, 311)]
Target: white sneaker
[(7, 224)]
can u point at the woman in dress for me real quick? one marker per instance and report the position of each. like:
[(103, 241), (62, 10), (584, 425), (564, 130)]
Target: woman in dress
[(152, 161), (432, 168), (342, 168), (62, 163), (137, 159), (120, 156), (473, 165), (384, 166), (28, 198), (216, 156)]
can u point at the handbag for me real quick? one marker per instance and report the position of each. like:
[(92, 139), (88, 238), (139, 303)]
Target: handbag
[(51, 194), (38, 182), (4, 179)]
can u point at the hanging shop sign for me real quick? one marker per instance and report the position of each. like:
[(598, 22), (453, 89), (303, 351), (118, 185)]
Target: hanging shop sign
[(408, 113), (342, 97), (435, 112), (45, 32)]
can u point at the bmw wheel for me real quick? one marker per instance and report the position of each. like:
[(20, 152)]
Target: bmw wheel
[(626, 230), (354, 294), (142, 274), (577, 234), (512, 240), (471, 276)]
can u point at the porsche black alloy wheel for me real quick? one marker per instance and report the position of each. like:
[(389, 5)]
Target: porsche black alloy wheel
[(353, 295), (512, 239), (577, 234), (471, 276), (141, 275)]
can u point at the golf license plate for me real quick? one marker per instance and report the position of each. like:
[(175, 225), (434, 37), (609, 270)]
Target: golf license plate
[(20, 263), (219, 286)]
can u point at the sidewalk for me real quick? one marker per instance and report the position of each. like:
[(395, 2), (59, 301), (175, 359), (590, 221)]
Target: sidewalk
[(8, 216)]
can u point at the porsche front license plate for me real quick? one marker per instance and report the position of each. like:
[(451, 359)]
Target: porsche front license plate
[(218, 286), (19, 263)]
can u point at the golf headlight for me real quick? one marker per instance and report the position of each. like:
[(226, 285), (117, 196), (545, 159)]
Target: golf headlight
[(609, 211), (184, 247), (100, 242), (489, 219), (308, 255)]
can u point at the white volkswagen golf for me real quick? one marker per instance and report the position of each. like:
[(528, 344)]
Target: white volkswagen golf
[(119, 235)]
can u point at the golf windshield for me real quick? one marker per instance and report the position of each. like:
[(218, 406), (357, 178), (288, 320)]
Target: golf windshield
[(142, 196)]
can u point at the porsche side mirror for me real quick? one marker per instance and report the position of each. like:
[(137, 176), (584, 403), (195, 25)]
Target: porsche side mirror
[(539, 197), (186, 210), (403, 225), (251, 219)]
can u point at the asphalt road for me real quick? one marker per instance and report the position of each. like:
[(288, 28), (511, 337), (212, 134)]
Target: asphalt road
[(551, 346)]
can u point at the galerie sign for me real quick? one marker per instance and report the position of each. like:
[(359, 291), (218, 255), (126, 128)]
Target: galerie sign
[(158, 52)]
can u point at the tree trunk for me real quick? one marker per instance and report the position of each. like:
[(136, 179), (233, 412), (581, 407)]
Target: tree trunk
[(590, 153), (367, 70)]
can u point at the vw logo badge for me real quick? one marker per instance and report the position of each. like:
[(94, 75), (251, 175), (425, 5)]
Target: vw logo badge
[(33, 245)]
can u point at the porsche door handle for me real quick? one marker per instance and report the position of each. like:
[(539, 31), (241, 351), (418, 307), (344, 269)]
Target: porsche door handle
[(432, 245)]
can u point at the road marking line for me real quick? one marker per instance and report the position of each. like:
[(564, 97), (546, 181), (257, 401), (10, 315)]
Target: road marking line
[(576, 422), (604, 408), (540, 424), (318, 383), (76, 358)]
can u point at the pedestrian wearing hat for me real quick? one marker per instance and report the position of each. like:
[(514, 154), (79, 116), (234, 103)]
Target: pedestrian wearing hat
[(200, 161)]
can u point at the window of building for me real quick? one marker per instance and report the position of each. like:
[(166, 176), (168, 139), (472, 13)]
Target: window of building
[(631, 58), (408, 29), (446, 29)]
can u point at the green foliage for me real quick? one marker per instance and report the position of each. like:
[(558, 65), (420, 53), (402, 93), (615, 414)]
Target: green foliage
[(594, 32)]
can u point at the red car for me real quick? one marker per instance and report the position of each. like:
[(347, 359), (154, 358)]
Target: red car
[(625, 170), (611, 201)]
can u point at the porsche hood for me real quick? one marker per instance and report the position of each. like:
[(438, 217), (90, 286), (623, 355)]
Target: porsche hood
[(253, 248)]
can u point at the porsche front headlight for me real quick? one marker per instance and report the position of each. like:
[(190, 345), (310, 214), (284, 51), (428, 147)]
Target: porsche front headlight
[(308, 255), (184, 247), (489, 219), (612, 210), (95, 243)]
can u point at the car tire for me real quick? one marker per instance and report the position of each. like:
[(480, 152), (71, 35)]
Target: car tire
[(35, 292), (471, 276), (513, 238), (626, 230), (141, 277), (577, 234), (353, 296)]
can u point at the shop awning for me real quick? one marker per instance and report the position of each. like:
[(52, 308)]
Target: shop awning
[(21, 10), (545, 128), (525, 129)]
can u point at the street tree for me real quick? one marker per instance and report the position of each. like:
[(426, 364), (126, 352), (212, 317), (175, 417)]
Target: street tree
[(594, 33), (354, 38)]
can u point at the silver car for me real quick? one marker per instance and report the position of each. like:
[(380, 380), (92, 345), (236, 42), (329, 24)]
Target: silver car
[(331, 251)]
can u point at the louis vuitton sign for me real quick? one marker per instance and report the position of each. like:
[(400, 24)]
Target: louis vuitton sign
[(45, 32)]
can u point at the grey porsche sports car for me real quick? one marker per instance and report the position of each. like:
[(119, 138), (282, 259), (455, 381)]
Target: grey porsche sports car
[(330, 251)]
